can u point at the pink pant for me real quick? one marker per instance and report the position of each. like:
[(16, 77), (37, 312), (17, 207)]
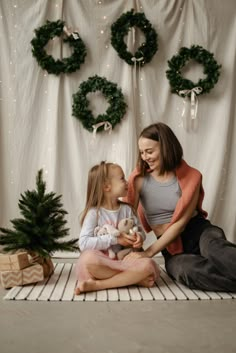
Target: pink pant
[(97, 257)]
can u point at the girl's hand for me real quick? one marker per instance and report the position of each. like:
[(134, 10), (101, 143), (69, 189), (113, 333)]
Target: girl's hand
[(126, 239), (139, 241)]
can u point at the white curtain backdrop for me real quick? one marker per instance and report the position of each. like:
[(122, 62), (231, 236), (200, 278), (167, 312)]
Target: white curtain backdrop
[(37, 129)]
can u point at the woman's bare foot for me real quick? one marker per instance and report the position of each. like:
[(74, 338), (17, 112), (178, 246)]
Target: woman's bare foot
[(86, 286)]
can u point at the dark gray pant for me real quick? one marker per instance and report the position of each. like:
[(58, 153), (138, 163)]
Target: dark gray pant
[(208, 261)]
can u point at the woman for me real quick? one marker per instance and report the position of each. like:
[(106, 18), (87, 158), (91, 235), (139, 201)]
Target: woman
[(168, 194)]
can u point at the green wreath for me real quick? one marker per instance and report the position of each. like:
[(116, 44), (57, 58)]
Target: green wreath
[(113, 114), (202, 56), (121, 27), (47, 62)]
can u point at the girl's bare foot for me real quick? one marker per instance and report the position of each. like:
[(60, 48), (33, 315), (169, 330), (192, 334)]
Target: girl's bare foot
[(86, 286), (77, 291), (147, 282)]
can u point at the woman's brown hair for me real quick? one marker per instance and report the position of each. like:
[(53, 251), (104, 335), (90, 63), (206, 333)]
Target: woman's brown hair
[(171, 151)]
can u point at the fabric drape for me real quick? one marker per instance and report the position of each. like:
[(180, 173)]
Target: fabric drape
[(37, 129)]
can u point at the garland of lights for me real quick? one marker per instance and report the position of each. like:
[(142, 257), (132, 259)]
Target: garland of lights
[(47, 62), (114, 96), (183, 86), (120, 29)]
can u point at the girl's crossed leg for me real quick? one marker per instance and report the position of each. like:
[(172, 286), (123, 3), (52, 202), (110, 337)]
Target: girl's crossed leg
[(95, 271)]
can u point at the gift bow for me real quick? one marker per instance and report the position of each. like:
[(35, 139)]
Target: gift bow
[(135, 60), (107, 127), (69, 32), (194, 92)]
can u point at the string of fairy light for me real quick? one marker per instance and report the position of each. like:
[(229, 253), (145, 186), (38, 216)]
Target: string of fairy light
[(8, 88), (51, 107)]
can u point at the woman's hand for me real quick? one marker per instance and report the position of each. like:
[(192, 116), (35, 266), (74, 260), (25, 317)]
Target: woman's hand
[(126, 239), (135, 255)]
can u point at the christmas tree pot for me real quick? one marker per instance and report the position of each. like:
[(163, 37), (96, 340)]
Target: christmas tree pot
[(45, 262)]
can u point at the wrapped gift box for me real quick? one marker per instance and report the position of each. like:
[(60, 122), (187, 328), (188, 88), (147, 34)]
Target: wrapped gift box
[(31, 274), (14, 262)]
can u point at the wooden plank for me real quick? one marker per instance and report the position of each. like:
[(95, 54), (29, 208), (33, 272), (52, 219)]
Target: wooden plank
[(25, 291), (145, 293), (224, 295), (90, 296), (178, 293), (124, 294), (50, 285), (156, 293), (213, 295), (102, 296), (61, 283), (168, 295), (38, 288), (201, 294), (187, 291), (113, 295), (134, 293), (68, 294), (12, 293)]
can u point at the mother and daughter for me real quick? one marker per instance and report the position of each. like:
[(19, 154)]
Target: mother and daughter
[(167, 194)]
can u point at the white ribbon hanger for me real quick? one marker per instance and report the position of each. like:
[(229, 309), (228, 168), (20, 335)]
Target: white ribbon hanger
[(69, 32), (136, 60), (194, 92), (107, 127)]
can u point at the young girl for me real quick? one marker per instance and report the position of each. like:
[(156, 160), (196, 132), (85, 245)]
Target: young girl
[(95, 270)]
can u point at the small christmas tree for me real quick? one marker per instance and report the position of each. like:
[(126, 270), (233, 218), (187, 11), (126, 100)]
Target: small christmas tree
[(42, 227)]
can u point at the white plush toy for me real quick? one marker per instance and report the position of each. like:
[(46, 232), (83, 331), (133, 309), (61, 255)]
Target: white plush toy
[(107, 229), (127, 226)]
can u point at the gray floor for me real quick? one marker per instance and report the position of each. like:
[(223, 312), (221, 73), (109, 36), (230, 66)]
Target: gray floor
[(119, 327)]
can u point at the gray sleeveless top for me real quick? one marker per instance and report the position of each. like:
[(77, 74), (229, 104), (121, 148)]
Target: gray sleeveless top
[(159, 199)]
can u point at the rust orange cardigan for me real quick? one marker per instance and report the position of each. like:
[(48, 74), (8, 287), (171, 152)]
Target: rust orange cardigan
[(188, 179)]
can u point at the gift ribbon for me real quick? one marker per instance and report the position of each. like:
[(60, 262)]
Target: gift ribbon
[(69, 32), (135, 61), (133, 35), (106, 124), (194, 92)]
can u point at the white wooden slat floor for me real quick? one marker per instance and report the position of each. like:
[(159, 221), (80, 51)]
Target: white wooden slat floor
[(60, 287)]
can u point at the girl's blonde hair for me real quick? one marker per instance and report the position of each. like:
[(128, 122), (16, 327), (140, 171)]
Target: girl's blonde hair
[(97, 177)]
